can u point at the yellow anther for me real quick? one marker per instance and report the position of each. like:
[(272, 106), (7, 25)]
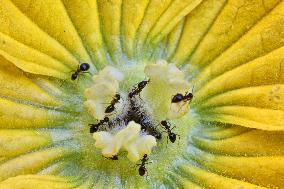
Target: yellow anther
[(166, 80), (106, 85), (128, 139)]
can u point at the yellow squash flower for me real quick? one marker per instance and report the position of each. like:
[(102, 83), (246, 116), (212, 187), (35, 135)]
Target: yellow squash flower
[(91, 131)]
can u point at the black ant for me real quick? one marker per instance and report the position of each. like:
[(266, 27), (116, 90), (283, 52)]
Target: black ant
[(115, 157), (171, 135), (111, 107), (95, 127), (140, 86), (142, 169), (179, 97), (81, 68)]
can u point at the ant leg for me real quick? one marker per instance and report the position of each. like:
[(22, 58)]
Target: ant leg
[(62, 82), (146, 174), (171, 107), (87, 72), (192, 89), (111, 114), (156, 126), (167, 140), (148, 162), (71, 71), (178, 138), (173, 128), (78, 78), (140, 97), (136, 165), (182, 105)]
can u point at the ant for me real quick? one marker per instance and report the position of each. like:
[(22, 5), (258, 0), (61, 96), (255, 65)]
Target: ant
[(179, 97), (115, 157), (81, 68), (141, 85), (95, 127), (111, 107), (186, 97), (142, 169), (171, 135)]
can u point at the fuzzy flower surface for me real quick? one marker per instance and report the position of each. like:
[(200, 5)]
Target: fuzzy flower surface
[(142, 94)]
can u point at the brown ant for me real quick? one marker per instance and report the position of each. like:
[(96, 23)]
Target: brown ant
[(115, 157), (81, 68), (140, 86), (95, 127), (111, 107), (171, 135), (142, 169)]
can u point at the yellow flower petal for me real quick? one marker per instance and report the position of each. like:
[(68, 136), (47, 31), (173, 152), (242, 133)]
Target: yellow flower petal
[(85, 17), (16, 25), (12, 79), (263, 38), (14, 115), (30, 163), (59, 25), (263, 170), (110, 12), (198, 21), (231, 51), (40, 181), (16, 142)]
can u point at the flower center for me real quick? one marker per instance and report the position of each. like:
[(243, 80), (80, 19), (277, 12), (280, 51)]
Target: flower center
[(133, 117)]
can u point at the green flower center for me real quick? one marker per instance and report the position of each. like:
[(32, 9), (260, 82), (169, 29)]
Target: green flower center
[(130, 114)]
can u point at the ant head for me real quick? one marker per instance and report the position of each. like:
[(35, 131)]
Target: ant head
[(93, 128), (84, 66), (188, 96), (114, 157), (172, 137), (145, 155), (117, 96), (130, 95), (106, 119), (164, 123)]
